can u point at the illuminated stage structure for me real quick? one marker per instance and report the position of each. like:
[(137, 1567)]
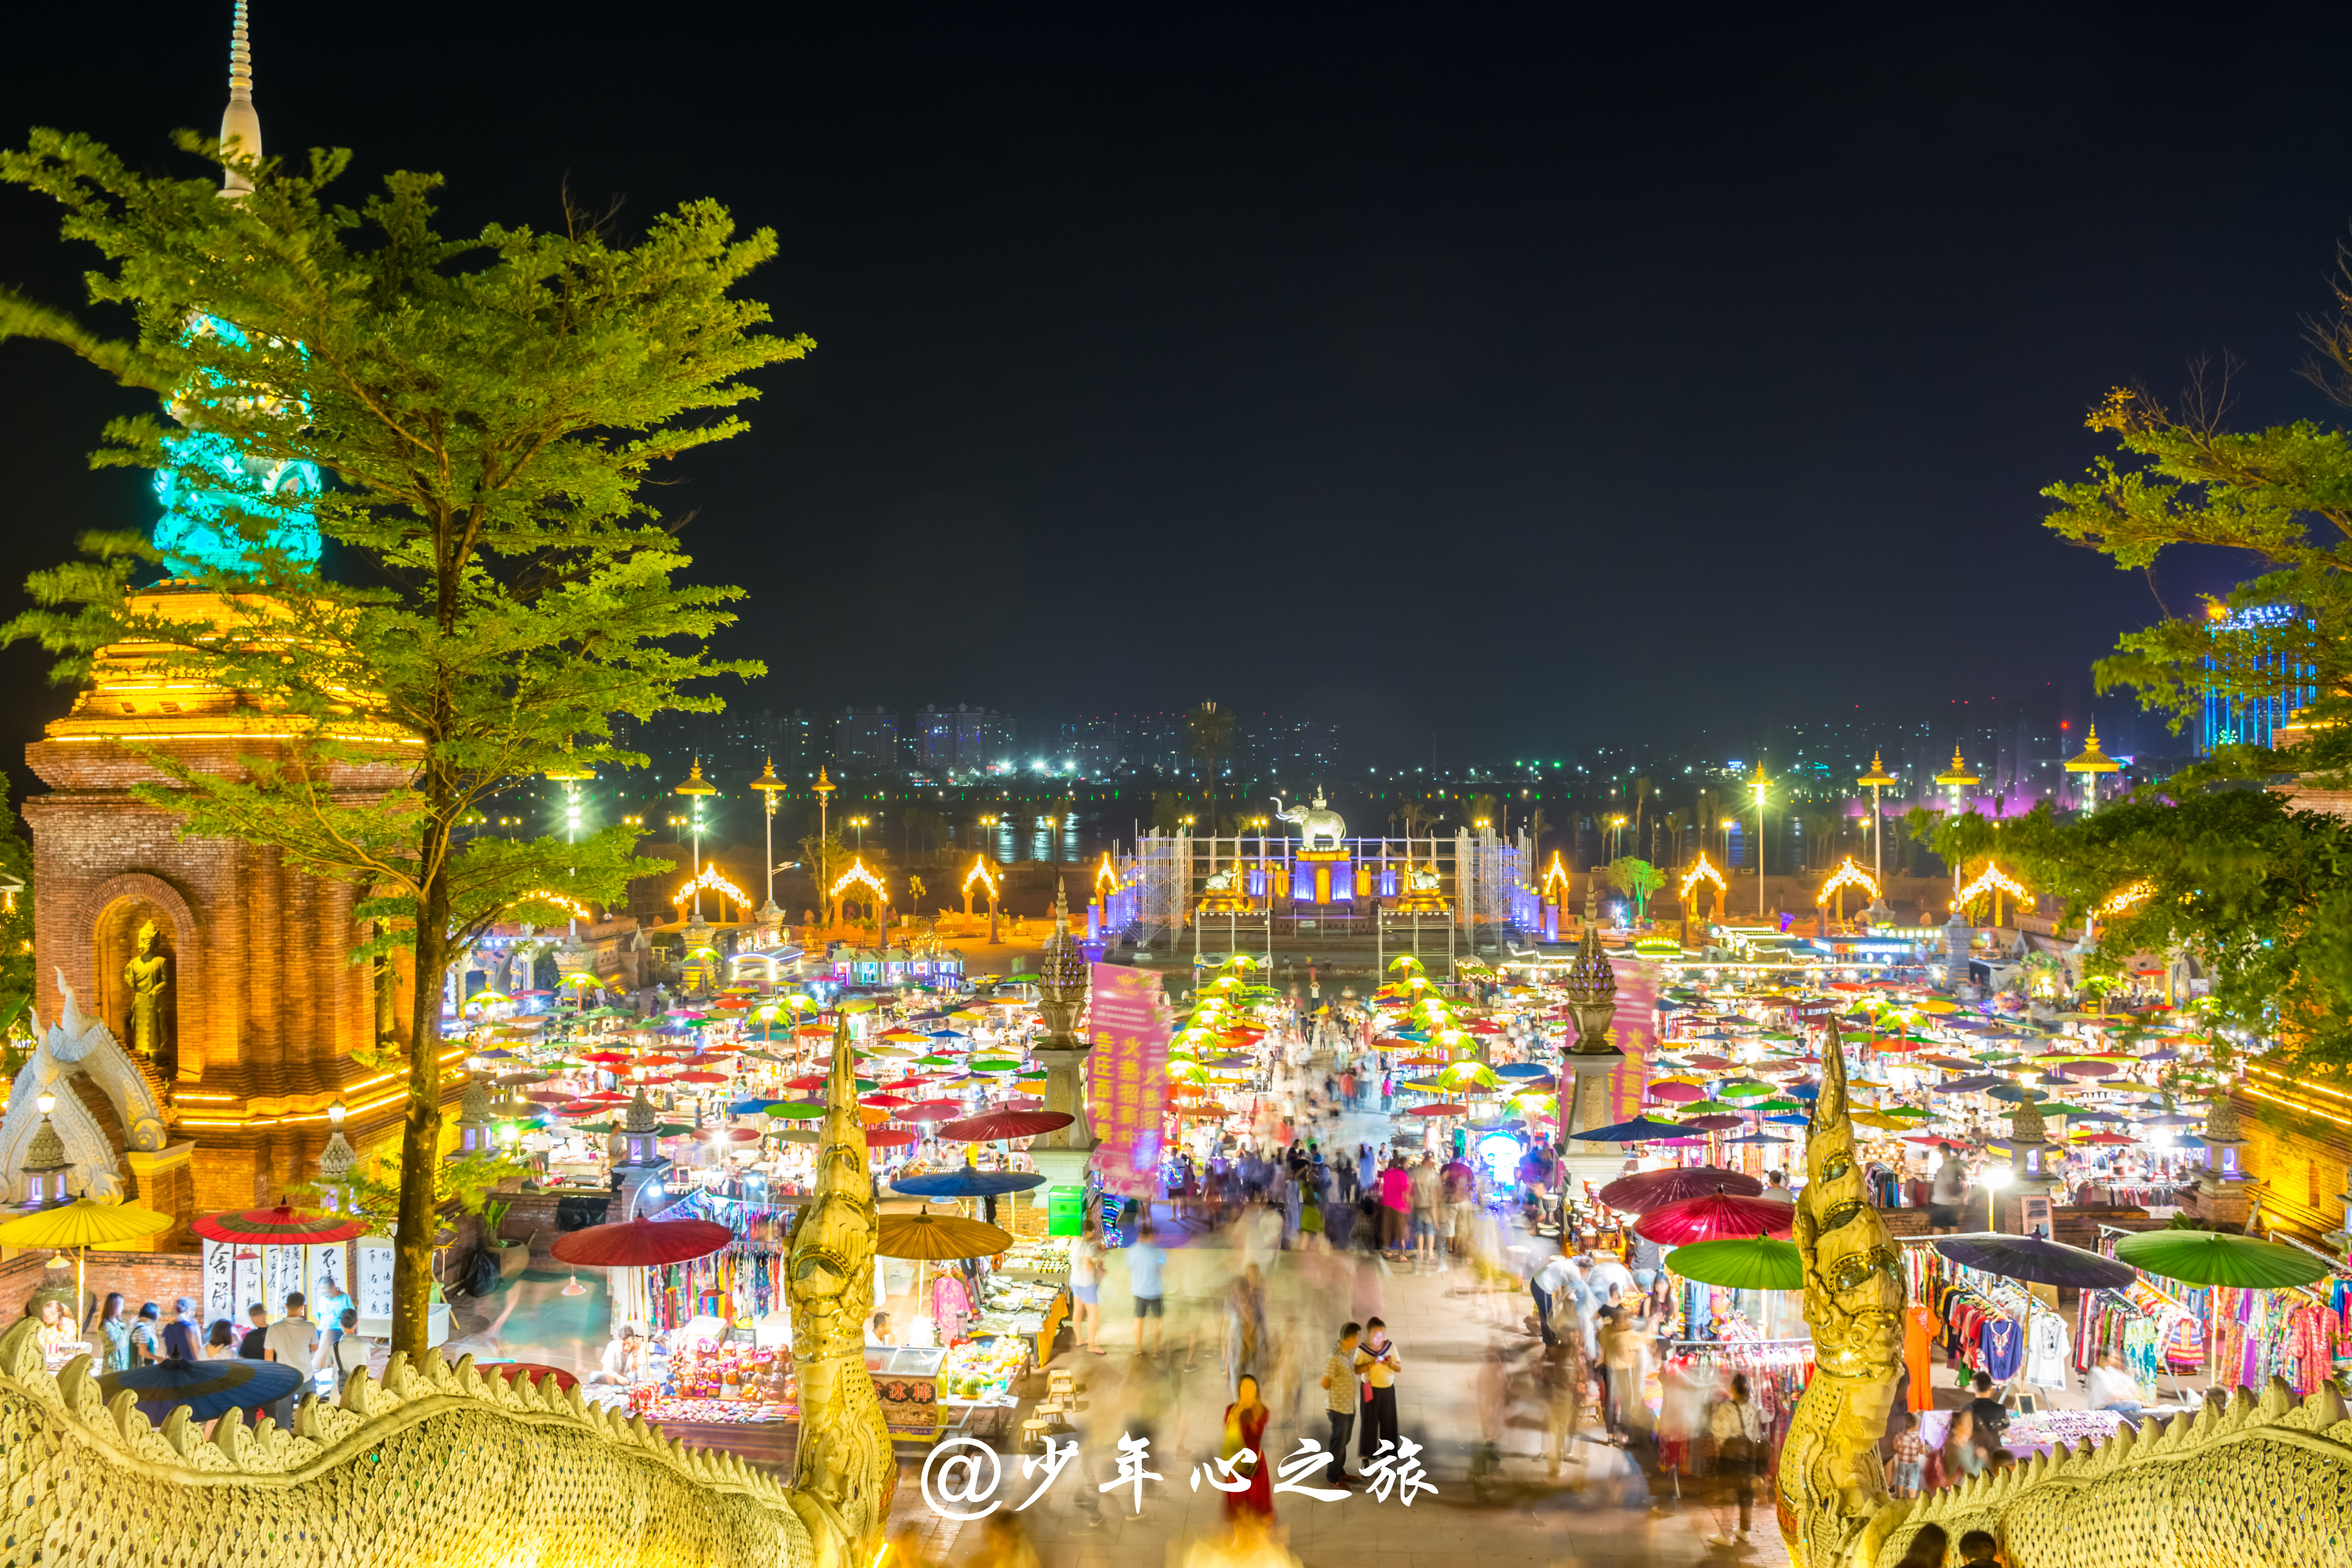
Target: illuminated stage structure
[(1473, 892)]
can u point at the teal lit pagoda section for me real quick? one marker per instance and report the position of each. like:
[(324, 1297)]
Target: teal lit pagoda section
[(218, 527), (221, 505)]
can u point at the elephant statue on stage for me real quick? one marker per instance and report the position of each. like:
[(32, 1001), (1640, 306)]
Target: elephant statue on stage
[(1320, 828)]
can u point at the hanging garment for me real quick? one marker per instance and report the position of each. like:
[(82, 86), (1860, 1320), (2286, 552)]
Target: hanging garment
[(2003, 1347), (1920, 1327), (2047, 1344)]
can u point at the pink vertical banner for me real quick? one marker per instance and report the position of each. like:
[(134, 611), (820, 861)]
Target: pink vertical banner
[(1633, 1029), (1126, 1077)]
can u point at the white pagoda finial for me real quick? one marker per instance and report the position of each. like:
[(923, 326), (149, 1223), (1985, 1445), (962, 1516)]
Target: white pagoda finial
[(240, 131)]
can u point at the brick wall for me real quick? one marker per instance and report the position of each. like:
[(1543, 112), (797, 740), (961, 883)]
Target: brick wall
[(156, 1276)]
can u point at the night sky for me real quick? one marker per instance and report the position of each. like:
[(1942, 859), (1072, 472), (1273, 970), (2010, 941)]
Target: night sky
[(1423, 371)]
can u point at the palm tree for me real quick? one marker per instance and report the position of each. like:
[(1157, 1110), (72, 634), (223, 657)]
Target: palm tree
[(1210, 737)]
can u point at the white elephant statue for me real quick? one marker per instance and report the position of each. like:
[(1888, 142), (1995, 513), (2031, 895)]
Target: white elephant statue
[(1320, 828)]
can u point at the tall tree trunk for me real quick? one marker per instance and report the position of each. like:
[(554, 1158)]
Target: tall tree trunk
[(420, 1134)]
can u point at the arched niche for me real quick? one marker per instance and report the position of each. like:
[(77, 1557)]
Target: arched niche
[(112, 915)]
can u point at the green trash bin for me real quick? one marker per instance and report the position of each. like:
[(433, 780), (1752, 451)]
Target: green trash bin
[(1065, 1210)]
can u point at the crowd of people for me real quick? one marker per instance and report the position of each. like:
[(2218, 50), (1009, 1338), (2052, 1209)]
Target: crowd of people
[(118, 1339)]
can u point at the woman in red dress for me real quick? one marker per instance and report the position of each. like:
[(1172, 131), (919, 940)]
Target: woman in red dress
[(1245, 1428)]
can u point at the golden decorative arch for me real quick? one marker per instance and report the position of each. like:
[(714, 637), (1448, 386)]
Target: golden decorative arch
[(1847, 875), (1703, 871), (711, 878), (978, 873), (858, 874), (1996, 881), (1556, 874)]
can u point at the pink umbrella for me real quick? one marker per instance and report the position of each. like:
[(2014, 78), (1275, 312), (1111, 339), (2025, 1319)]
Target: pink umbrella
[(1676, 1093), (1716, 1217)]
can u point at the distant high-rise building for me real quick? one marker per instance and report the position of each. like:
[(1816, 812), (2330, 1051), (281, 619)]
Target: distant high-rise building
[(961, 739), (866, 738), (1272, 746)]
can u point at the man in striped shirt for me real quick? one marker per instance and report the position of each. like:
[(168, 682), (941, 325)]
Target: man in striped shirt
[(1341, 1400)]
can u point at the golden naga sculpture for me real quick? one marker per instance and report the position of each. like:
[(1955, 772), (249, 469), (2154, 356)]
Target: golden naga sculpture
[(436, 1463), (2260, 1481)]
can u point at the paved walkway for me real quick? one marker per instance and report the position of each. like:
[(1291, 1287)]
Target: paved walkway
[(1462, 1347)]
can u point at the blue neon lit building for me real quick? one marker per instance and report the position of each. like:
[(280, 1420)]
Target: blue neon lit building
[(2249, 694)]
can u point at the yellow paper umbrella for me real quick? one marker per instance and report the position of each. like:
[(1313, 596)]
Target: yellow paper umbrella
[(82, 1224)]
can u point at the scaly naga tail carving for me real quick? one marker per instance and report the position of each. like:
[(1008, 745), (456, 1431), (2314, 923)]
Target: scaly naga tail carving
[(846, 1474), (1830, 1485)]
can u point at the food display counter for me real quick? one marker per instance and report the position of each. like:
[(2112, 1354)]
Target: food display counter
[(1028, 1293)]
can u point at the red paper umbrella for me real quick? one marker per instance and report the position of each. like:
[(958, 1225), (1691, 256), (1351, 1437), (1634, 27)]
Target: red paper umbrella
[(658, 1061), (2090, 1069), (641, 1243), (890, 1137), (932, 1110), (1443, 1109), (583, 1108), (814, 1032), (742, 1134), (531, 1371), (1719, 1217), (1676, 1093), (732, 1005), (813, 1080), (607, 1097), (1712, 1064), (989, 1126), (2105, 1138), (887, 1102), (547, 1096), (698, 1077), (1721, 1121), (606, 1059), (282, 1226), (655, 1080), (1481, 1026), (1655, 1189)]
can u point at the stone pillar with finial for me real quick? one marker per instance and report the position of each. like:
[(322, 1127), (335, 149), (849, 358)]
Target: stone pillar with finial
[(1063, 980), (476, 1116), (2220, 1197), (2030, 1174), (1593, 1062)]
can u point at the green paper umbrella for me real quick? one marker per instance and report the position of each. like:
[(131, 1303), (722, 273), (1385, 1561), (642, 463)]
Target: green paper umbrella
[(991, 1064), (1775, 1105), (1757, 1263), (1713, 1108), (796, 1110), (1742, 1090), (2211, 1257)]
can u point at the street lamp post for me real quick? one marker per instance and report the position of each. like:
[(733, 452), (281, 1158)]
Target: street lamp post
[(1956, 778), (2091, 763), (696, 789), (1875, 779), (571, 775), (825, 788), (1762, 785), (769, 785), (859, 823)]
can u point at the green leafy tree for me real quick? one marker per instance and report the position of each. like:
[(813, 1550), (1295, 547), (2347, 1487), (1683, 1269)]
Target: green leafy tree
[(2259, 892), (485, 410), (371, 1190), (2281, 500), (1637, 880)]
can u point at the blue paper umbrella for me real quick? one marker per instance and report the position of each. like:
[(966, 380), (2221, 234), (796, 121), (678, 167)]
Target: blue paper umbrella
[(208, 1388), (966, 1183), (1523, 1069), (1641, 1130)]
